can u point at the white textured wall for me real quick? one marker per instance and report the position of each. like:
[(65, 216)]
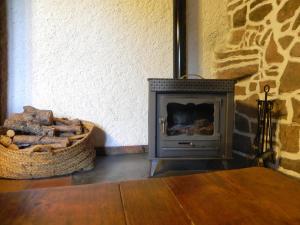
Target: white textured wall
[(19, 53), (90, 59), (207, 27)]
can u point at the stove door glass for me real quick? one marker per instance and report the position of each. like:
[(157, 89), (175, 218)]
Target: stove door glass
[(190, 119)]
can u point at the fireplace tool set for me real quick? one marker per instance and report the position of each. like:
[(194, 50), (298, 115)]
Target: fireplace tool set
[(263, 143)]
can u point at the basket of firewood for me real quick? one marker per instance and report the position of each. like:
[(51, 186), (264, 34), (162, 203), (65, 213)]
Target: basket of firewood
[(35, 144)]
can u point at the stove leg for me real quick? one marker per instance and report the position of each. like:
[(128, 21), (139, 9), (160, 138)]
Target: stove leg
[(153, 166), (225, 164)]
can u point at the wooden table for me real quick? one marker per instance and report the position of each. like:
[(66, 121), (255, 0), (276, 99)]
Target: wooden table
[(247, 196)]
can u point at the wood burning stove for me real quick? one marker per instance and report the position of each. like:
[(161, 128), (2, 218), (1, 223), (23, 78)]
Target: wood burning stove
[(190, 119)]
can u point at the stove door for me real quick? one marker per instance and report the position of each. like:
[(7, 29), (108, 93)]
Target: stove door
[(189, 125)]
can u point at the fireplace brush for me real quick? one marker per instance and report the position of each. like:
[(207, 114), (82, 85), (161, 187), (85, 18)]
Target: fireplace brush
[(263, 142)]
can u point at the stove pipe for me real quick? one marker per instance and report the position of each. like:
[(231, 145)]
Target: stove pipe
[(179, 38)]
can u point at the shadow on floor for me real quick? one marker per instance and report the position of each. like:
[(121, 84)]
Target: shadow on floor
[(137, 166)]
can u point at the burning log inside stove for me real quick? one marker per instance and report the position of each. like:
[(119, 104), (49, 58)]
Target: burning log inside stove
[(200, 127)]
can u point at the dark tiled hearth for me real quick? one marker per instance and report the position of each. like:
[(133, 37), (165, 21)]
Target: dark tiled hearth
[(115, 168), (136, 166)]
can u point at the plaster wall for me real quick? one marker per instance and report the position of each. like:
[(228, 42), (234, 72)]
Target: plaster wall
[(90, 59), (19, 54), (207, 27)]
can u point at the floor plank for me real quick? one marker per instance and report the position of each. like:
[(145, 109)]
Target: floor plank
[(84, 205), (248, 196), (253, 196), (150, 202), (8, 185), (50, 182), (279, 191)]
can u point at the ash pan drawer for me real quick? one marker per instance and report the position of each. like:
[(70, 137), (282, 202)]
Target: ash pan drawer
[(191, 144)]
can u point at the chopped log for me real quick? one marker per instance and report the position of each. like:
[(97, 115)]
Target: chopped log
[(74, 142), (68, 129), (10, 133), (5, 141), (17, 117), (41, 148), (192, 129), (85, 130), (28, 127), (2, 146), (209, 130), (44, 117), (58, 142), (65, 121), (77, 137), (13, 147), (66, 134)]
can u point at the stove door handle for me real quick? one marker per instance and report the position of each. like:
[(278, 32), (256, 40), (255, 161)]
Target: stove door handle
[(187, 143), (163, 125)]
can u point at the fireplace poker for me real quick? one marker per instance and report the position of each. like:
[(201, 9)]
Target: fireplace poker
[(263, 142)]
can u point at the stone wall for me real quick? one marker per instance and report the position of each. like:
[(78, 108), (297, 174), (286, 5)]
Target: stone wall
[(263, 47)]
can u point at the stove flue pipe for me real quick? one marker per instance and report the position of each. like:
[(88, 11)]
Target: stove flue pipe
[(179, 38)]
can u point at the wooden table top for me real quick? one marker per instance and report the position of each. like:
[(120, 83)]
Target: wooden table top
[(246, 196)]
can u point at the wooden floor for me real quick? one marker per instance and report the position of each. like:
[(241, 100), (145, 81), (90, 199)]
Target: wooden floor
[(119, 168), (246, 196)]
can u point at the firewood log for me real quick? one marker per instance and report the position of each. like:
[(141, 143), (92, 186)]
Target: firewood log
[(68, 129), (77, 137), (28, 127), (74, 142), (5, 141), (13, 147), (17, 117), (2, 146), (65, 121), (44, 117), (30, 114), (68, 134), (58, 142), (10, 133), (40, 148)]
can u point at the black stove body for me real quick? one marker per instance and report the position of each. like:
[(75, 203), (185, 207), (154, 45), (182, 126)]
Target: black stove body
[(190, 119)]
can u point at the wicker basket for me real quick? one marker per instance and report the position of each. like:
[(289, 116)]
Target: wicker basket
[(25, 164)]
